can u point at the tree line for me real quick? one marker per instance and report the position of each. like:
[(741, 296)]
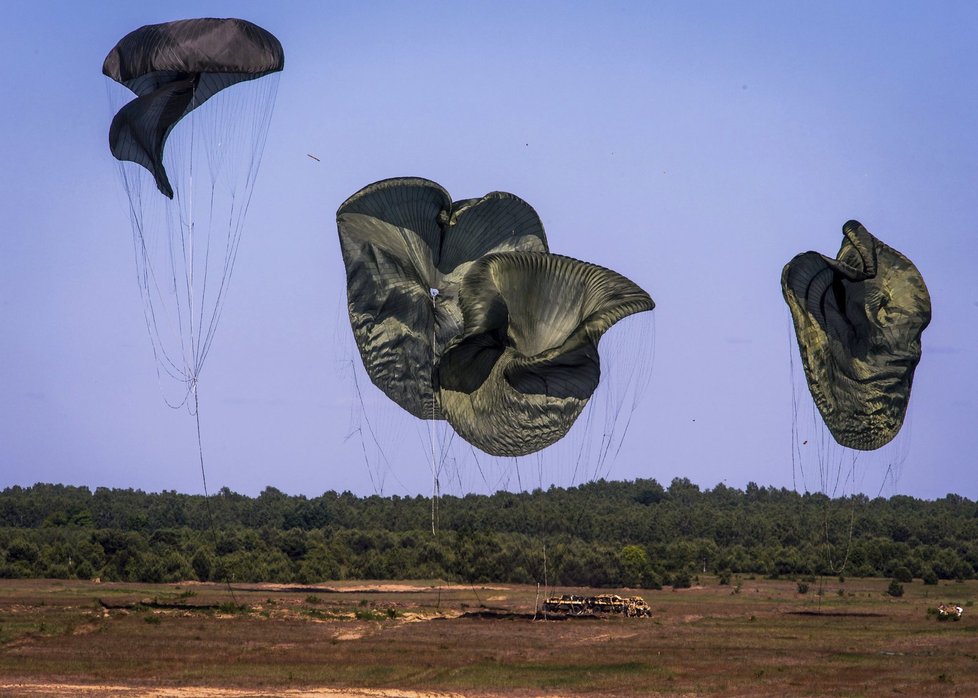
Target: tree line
[(603, 534)]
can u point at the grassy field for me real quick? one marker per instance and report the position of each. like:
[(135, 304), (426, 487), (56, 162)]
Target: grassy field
[(752, 637)]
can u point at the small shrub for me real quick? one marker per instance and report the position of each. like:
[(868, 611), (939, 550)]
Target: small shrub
[(313, 599), (802, 587), (369, 614), (902, 574), (895, 589), (152, 619), (232, 608)]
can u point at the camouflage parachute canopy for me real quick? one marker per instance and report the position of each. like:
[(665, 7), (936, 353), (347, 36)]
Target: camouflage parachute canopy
[(527, 361), (406, 246), (858, 319), (460, 312)]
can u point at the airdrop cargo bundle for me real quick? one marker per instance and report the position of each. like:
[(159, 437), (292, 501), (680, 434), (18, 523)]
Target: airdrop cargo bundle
[(602, 604)]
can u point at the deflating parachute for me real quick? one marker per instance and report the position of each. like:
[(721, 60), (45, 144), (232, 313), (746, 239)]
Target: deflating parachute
[(527, 361), (174, 68), (460, 312), (186, 240), (858, 320), (406, 247)]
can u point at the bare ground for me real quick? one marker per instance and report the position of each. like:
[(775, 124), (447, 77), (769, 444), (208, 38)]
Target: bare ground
[(420, 639)]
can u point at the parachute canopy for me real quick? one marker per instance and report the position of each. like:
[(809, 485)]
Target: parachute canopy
[(858, 319), (406, 246), (186, 242), (460, 312), (175, 67), (527, 361)]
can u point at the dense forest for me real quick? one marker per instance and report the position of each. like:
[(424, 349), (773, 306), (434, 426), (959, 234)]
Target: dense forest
[(635, 534)]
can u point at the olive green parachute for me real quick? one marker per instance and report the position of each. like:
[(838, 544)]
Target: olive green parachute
[(527, 361), (858, 320), (406, 246), (461, 313)]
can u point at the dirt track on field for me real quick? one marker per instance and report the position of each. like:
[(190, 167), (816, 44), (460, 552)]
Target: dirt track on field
[(103, 691)]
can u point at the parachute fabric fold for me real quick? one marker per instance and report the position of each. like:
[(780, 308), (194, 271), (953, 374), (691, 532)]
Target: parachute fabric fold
[(527, 361), (175, 67), (858, 320), (406, 246)]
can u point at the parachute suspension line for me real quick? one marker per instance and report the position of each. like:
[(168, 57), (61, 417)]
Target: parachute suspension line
[(261, 118), (579, 458), (546, 582), (836, 468), (795, 448), (478, 466), (146, 278), (639, 383), (207, 498), (596, 440), (200, 443), (368, 426), (194, 368), (145, 273), (435, 491), (189, 250), (182, 313), (363, 445)]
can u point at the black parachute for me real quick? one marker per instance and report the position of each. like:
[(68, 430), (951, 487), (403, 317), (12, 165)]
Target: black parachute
[(189, 180), (858, 320), (460, 312), (175, 67)]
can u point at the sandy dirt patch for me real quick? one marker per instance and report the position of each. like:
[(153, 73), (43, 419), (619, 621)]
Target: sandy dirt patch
[(364, 588), (104, 691)]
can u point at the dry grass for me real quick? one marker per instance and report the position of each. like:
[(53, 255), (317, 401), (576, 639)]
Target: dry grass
[(766, 639)]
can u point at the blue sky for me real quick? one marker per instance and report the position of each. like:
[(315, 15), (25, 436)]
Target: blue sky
[(693, 146)]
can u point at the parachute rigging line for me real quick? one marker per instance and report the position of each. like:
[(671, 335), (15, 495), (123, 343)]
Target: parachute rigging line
[(222, 74)]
